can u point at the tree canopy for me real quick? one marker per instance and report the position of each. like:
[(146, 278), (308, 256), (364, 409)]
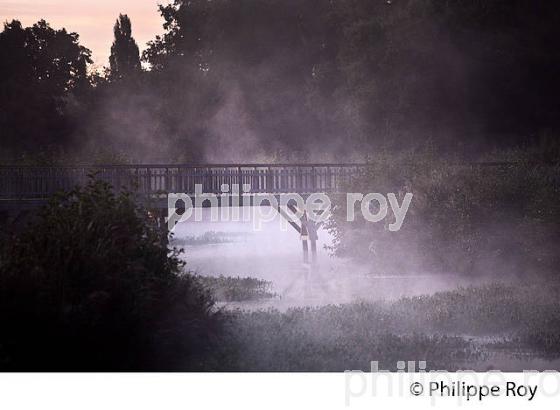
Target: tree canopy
[(39, 68), (125, 55), (277, 79)]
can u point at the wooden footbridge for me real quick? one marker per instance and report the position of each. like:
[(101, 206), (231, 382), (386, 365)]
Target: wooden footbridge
[(30, 185), (23, 188)]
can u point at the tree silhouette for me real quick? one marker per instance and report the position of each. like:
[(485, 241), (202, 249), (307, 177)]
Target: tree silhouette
[(348, 75), (380, 73), (125, 56), (40, 67)]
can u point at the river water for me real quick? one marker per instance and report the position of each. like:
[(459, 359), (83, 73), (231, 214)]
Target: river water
[(273, 252)]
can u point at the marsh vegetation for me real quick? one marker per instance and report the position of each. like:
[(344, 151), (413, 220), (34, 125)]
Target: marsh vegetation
[(90, 284)]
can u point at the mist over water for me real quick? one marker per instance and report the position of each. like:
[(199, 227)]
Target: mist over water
[(274, 253), (452, 103)]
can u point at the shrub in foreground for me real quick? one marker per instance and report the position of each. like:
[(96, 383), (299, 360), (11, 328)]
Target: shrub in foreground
[(90, 285)]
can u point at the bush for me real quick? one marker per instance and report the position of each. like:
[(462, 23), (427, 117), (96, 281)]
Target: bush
[(463, 218), (91, 285)]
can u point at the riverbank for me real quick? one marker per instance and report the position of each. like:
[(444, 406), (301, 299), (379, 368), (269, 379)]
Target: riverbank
[(494, 326)]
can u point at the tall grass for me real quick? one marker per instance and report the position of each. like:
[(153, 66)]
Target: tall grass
[(449, 330), (237, 289)]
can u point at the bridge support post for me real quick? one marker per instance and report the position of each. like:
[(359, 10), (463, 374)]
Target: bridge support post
[(313, 251), (312, 233), (301, 229), (304, 237), (308, 232), (305, 250)]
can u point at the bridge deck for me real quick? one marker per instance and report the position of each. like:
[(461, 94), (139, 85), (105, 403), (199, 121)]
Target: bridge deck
[(32, 185)]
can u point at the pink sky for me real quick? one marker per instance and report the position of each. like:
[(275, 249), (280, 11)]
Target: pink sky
[(92, 19)]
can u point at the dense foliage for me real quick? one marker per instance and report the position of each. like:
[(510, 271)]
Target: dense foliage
[(90, 285), (279, 79), (475, 219), (40, 70), (351, 72)]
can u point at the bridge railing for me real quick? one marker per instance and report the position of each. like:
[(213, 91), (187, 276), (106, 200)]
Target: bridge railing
[(42, 182)]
